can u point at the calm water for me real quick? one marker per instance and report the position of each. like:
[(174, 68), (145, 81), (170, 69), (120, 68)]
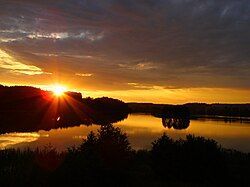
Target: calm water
[(141, 130)]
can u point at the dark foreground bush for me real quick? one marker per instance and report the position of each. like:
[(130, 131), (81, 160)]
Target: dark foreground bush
[(106, 159), (101, 159), (194, 159)]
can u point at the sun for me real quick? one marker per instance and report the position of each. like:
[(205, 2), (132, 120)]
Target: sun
[(58, 90)]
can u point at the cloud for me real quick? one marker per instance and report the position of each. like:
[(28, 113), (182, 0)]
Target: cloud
[(11, 139), (179, 43), (9, 63), (139, 86), (64, 35), (19, 35), (84, 74), (139, 66), (50, 35)]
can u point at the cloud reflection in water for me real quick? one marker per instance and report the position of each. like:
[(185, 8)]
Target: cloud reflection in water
[(10, 139)]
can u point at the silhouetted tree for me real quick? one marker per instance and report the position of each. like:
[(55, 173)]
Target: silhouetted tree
[(101, 159), (194, 159), (107, 110)]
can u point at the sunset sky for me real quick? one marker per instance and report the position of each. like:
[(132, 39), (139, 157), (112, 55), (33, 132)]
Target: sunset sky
[(161, 51)]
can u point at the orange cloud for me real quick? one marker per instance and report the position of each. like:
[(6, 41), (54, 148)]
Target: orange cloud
[(10, 63)]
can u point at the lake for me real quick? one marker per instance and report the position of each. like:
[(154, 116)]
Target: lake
[(141, 130)]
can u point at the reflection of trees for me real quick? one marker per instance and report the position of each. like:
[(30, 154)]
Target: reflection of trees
[(176, 123), (176, 117)]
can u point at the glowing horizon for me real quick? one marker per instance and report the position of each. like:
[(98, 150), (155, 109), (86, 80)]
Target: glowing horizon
[(170, 96)]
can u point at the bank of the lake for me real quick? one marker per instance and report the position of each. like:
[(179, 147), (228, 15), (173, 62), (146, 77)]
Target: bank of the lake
[(141, 130)]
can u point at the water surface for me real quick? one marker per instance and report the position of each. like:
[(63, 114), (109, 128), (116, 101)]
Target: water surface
[(141, 130)]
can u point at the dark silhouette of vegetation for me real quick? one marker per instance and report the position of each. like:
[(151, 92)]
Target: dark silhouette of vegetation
[(227, 112), (25, 109), (101, 159), (107, 159), (176, 123), (107, 110), (230, 110), (147, 108), (175, 116), (193, 159), (177, 111)]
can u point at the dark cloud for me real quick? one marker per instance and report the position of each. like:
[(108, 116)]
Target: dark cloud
[(168, 43)]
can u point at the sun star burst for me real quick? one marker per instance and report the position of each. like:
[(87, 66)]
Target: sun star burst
[(58, 90)]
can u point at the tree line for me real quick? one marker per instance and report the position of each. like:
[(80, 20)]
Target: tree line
[(195, 109)]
